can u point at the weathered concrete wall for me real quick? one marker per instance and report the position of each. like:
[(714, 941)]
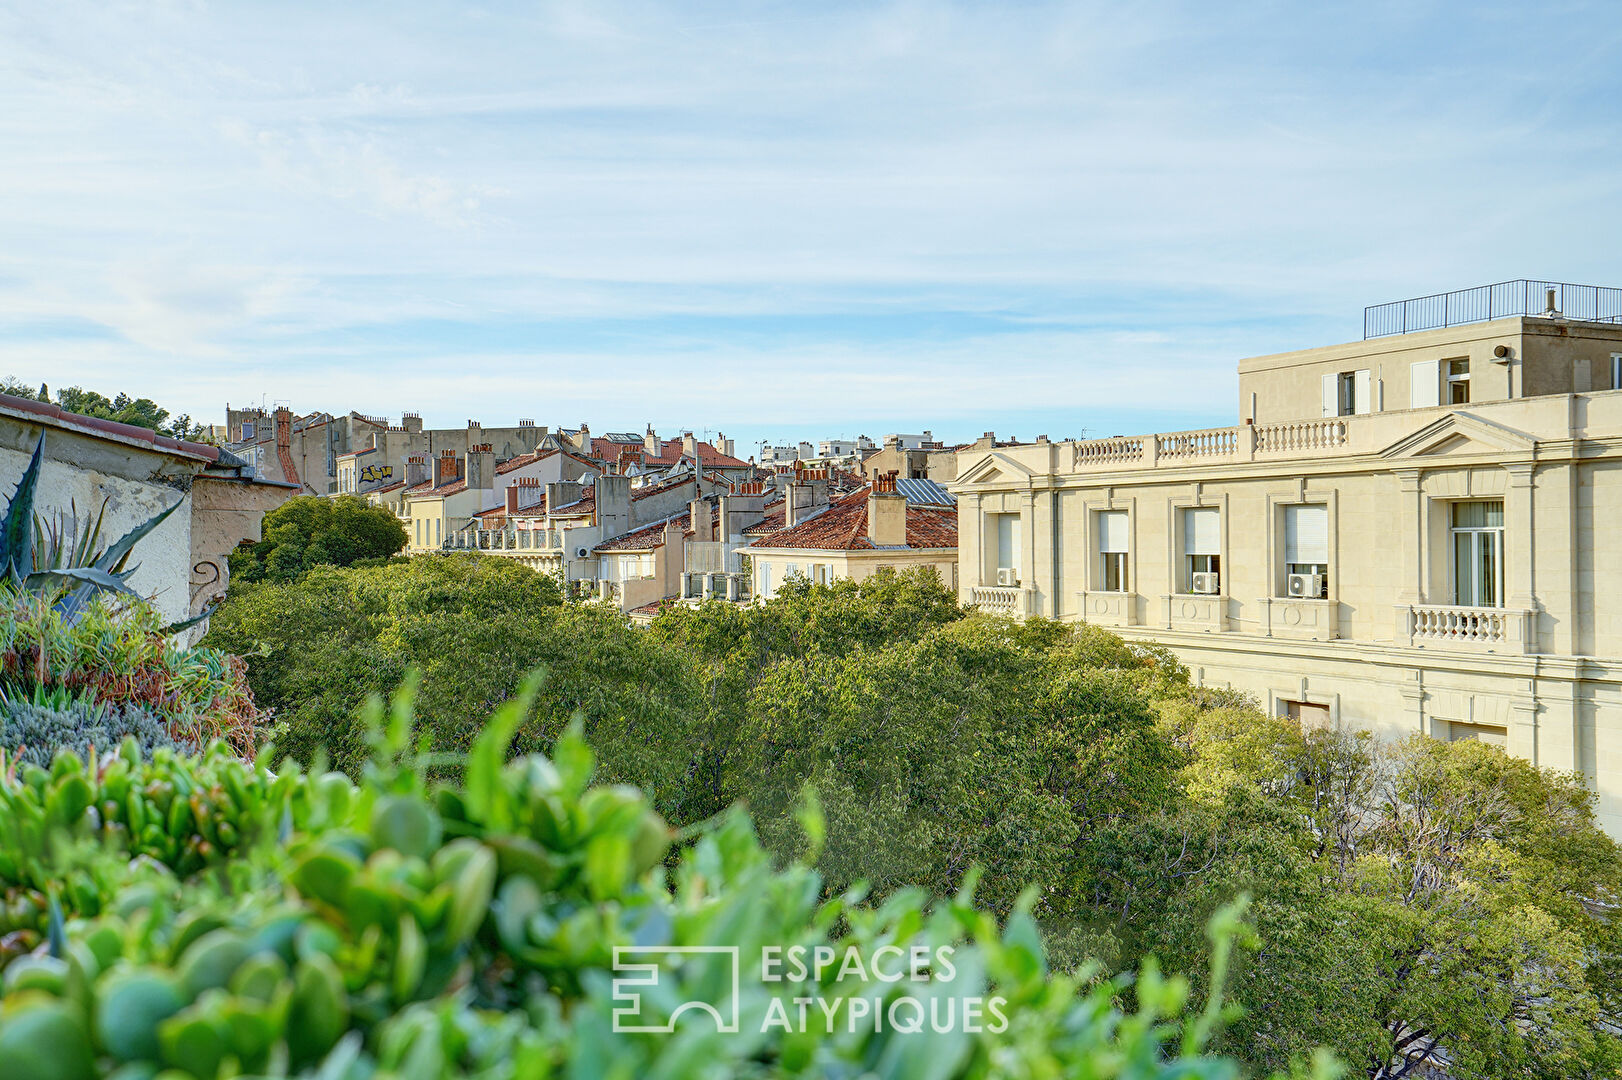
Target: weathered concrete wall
[(81, 474)]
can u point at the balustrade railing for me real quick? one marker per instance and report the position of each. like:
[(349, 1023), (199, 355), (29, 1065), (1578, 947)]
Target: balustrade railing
[(1303, 435)]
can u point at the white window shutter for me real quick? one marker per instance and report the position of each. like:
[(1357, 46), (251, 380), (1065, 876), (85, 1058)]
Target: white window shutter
[(1008, 541), (1363, 387), (1306, 534), (1425, 384), (1331, 395), (1112, 531), (1202, 531)]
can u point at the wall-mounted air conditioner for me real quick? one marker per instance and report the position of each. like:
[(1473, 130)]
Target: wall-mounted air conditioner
[(582, 553), (1305, 586), (1007, 575), (1204, 583)]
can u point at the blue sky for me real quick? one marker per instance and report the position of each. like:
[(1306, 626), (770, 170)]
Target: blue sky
[(777, 220)]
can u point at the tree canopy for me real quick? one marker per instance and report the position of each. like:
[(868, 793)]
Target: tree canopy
[(310, 530), (1414, 904)]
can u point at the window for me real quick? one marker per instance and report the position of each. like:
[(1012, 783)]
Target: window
[(1491, 734), (1478, 554), (1458, 381), (1347, 393), (1202, 546), (1008, 543), (419, 533), (1306, 543), (765, 579), (439, 524), (1112, 545), (1306, 714)]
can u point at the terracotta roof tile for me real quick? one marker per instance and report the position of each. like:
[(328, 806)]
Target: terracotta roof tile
[(843, 527)]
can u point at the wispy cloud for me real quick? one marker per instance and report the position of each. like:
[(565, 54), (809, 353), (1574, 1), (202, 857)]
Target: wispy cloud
[(775, 216)]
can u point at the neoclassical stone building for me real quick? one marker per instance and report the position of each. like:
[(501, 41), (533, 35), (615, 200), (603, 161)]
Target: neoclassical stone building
[(1417, 531)]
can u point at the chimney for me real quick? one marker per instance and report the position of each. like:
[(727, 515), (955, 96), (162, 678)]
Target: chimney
[(284, 428), (613, 505), (411, 421), (724, 444), (511, 494), (446, 467), (702, 520), (562, 493), (886, 513), (806, 495), (650, 443), (481, 467), (416, 469), (689, 445)]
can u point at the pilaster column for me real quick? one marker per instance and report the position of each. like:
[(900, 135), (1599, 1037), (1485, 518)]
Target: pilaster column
[(1519, 583)]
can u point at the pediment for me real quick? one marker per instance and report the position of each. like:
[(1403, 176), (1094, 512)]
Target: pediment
[(1460, 435), (995, 469)]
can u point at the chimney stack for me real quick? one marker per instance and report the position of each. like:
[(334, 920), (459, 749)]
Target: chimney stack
[(416, 469), (511, 494), (886, 513), (650, 443), (446, 467), (481, 467), (702, 522), (807, 494), (689, 445)]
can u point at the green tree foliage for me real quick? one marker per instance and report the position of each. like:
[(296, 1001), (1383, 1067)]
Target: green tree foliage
[(1414, 903), (473, 627), (311, 530), (121, 408)]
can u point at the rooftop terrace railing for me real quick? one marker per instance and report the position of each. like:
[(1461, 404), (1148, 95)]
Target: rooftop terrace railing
[(1587, 303)]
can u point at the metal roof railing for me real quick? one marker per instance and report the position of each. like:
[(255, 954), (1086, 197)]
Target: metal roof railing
[(1586, 303)]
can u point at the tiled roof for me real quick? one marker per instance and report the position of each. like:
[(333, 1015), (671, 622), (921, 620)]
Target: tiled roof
[(652, 536), (670, 452), (653, 607), (540, 455), (843, 527), (449, 487), (386, 488), (358, 453)]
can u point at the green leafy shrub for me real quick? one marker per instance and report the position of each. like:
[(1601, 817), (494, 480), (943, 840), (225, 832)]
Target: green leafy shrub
[(215, 918), (32, 734), (313, 530)]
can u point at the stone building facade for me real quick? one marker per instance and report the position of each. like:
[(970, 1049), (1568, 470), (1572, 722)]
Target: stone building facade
[(1405, 533)]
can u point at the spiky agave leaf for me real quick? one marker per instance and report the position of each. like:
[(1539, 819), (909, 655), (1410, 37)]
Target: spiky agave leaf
[(17, 527), (112, 560)]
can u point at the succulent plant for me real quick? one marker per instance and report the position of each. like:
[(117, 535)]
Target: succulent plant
[(33, 734)]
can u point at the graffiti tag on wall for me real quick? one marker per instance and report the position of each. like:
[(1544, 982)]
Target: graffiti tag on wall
[(376, 474)]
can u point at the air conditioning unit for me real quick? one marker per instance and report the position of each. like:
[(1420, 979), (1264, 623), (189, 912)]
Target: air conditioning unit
[(1007, 576), (1306, 586), (582, 553), (1204, 583)]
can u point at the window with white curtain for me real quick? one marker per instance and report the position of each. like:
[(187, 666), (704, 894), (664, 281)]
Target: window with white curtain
[(1008, 542), (1202, 543), (1112, 550), (1306, 542), (1478, 553)]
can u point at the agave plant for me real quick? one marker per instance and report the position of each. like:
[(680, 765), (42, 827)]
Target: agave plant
[(58, 560)]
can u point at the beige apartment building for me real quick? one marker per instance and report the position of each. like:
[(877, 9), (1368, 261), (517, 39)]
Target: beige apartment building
[(1403, 533)]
